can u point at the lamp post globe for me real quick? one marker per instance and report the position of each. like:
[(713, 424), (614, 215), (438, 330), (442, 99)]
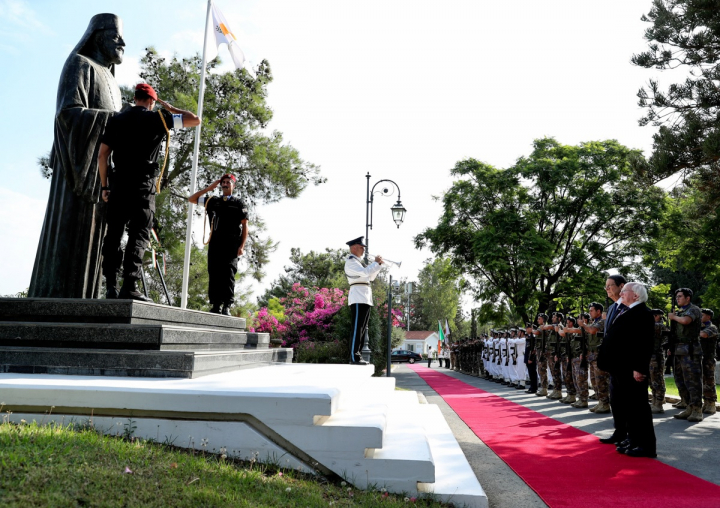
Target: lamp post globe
[(398, 213)]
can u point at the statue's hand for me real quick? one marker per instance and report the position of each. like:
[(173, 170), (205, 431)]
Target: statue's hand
[(105, 195)]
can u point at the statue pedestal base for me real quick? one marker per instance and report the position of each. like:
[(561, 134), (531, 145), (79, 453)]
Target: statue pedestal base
[(125, 338)]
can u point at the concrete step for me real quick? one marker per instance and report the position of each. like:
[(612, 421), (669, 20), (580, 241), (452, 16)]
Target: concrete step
[(134, 363), (71, 310), (347, 433), (455, 482), (122, 336)]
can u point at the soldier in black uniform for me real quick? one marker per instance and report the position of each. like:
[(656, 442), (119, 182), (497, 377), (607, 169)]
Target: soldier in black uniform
[(529, 358), (133, 138), (228, 233)]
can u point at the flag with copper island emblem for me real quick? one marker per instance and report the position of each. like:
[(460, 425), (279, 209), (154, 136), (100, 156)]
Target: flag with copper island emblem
[(223, 35)]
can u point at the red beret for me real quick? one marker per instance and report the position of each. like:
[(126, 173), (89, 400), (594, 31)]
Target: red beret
[(228, 175), (144, 87)]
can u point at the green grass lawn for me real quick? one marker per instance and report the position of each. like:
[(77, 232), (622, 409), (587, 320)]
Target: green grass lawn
[(60, 466), (671, 388)]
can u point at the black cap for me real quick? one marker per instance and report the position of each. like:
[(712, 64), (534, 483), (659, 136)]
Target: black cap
[(356, 241)]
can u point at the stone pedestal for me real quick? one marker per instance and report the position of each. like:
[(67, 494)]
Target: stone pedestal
[(125, 338)]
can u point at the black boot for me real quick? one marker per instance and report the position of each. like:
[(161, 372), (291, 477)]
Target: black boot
[(111, 290), (225, 310), (215, 308), (129, 291)]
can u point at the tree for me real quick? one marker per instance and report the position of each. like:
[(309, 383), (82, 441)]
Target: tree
[(684, 34), (234, 139), (546, 227), (685, 255), (438, 292), (314, 269)]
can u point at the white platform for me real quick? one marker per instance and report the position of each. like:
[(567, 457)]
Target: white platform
[(309, 417)]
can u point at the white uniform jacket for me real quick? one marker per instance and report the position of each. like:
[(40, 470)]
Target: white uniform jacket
[(359, 277)]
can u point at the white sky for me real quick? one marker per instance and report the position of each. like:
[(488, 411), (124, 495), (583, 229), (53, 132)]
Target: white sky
[(402, 89)]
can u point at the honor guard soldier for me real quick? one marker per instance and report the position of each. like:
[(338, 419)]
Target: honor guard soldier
[(708, 341), (565, 339), (657, 363), (133, 138), (529, 358), (688, 355), (600, 379), (360, 296), (540, 356), (228, 233)]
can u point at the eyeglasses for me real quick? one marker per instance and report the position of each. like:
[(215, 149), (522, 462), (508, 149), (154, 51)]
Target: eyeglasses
[(609, 287)]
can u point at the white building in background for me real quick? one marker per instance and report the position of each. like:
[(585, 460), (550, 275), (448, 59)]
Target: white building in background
[(418, 341)]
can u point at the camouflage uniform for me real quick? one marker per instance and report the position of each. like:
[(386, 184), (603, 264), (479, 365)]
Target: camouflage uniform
[(542, 364), (708, 365), (565, 360), (579, 371), (599, 378), (552, 351), (688, 359), (657, 369)]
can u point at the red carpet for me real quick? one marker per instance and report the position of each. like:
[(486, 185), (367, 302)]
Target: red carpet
[(568, 467)]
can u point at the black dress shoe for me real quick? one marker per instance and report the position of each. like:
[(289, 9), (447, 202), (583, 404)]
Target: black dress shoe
[(530, 391), (215, 308), (640, 452), (225, 310), (359, 362), (132, 294), (111, 293)]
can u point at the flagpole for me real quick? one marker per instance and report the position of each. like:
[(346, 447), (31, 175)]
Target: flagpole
[(193, 174)]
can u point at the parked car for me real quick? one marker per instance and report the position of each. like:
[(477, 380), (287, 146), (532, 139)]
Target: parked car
[(402, 355)]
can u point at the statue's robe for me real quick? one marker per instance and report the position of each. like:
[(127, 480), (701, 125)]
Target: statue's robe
[(67, 264)]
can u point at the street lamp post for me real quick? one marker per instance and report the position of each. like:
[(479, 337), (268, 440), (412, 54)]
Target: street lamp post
[(398, 215)]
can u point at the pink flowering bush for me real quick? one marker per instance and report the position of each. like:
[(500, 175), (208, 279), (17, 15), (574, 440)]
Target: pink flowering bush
[(308, 315)]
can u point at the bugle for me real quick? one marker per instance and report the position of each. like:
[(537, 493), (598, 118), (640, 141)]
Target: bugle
[(385, 260)]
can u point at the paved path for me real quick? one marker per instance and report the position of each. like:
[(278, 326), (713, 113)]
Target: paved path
[(691, 447)]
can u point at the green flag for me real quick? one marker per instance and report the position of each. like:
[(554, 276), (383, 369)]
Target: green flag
[(441, 335)]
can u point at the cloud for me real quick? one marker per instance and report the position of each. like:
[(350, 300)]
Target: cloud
[(22, 219), (17, 13), (18, 25)]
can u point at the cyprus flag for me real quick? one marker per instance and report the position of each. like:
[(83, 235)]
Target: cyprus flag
[(223, 35)]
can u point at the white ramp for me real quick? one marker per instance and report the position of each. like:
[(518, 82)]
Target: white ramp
[(333, 418)]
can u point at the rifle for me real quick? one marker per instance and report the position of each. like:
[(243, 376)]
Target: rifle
[(583, 346), (568, 346), (507, 353), (672, 336)]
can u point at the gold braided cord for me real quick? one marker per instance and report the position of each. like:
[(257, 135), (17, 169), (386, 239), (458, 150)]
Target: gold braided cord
[(167, 151)]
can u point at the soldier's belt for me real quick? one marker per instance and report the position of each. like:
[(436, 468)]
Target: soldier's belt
[(360, 284)]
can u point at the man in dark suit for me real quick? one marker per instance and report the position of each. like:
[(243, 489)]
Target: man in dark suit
[(625, 354)]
